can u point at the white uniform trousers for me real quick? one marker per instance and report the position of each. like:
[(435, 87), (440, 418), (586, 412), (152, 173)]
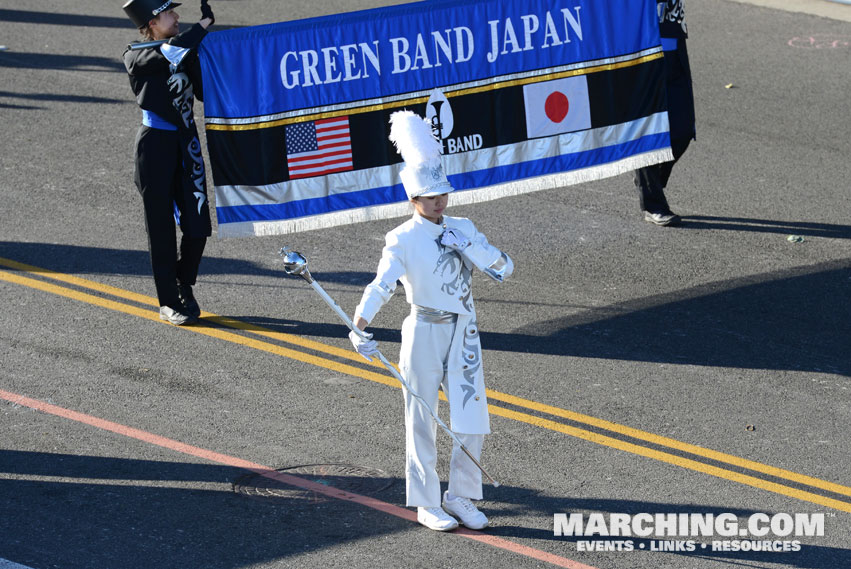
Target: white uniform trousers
[(424, 352)]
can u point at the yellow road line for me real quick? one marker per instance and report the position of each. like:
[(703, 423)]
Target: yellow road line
[(673, 459), (200, 329), (494, 395), (221, 320), (672, 443)]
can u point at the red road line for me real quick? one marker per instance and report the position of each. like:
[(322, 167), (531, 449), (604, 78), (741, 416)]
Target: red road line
[(329, 491)]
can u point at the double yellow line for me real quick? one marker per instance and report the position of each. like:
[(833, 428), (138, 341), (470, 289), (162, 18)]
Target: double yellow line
[(606, 433)]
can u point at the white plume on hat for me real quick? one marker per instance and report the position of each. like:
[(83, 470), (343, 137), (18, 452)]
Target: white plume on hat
[(423, 173)]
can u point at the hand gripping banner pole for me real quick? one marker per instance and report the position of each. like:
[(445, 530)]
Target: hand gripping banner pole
[(296, 264)]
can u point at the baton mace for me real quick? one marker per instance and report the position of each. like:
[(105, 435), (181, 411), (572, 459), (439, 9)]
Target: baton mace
[(145, 44), (296, 264)]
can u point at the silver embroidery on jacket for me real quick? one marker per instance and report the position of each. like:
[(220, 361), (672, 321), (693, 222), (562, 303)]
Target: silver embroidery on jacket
[(472, 360), (672, 11), (456, 275)]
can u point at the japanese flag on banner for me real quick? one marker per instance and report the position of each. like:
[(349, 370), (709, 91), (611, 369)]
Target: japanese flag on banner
[(555, 107)]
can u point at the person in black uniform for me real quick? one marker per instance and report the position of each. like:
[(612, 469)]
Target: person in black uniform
[(651, 181), (170, 173)]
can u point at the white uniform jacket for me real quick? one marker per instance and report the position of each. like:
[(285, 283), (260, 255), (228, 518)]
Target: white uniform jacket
[(437, 277)]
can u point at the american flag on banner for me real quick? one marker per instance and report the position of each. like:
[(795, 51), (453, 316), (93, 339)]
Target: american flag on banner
[(316, 148)]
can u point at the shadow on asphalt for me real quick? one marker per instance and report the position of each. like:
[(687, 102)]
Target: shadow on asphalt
[(82, 20), (65, 62), (139, 514), (804, 229), (59, 98), (99, 261), (64, 20), (60, 61), (90, 511), (797, 319), (21, 107), (70, 61)]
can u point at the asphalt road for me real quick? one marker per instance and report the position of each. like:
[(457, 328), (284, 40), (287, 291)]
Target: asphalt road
[(702, 369)]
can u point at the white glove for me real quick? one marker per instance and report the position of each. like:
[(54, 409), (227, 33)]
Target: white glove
[(454, 239), (366, 347)]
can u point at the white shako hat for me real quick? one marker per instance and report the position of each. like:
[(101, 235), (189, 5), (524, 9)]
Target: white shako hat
[(423, 174), (141, 12)]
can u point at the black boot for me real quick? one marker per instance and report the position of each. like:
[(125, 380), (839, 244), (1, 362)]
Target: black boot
[(187, 299)]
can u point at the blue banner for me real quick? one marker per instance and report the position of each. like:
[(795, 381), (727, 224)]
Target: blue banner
[(524, 94)]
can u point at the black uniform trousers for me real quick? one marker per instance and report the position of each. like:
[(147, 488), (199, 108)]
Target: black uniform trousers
[(652, 180), (159, 179)]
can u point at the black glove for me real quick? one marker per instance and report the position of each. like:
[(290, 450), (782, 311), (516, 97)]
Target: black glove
[(207, 12)]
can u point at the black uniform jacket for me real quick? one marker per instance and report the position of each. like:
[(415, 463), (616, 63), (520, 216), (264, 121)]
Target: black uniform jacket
[(149, 73)]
